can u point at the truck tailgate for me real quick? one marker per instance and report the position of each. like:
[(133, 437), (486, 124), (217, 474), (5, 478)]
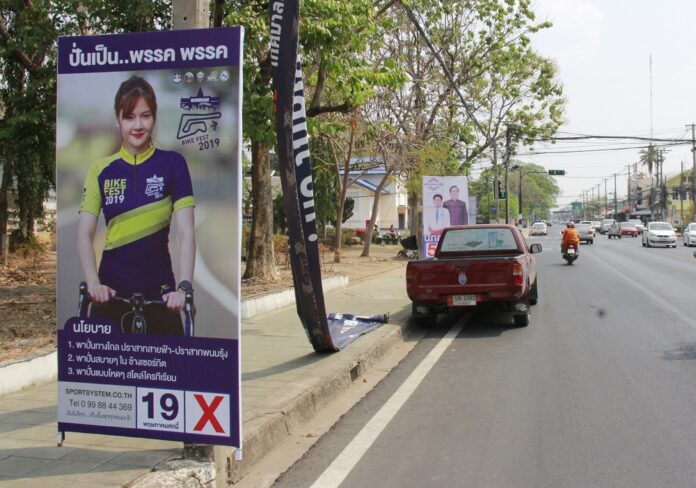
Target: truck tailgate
[(485, 276)]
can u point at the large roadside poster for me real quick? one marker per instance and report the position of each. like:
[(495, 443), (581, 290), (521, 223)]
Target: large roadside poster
[(445, 203), (149, 235)]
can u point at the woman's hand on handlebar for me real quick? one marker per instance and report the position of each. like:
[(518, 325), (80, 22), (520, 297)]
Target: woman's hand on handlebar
[(174, 300), (99, 293)]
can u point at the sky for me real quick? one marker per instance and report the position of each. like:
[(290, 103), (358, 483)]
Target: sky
[(602, 49)]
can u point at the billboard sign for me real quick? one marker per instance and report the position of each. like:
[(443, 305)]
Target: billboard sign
[(445, 203), (148, 157)]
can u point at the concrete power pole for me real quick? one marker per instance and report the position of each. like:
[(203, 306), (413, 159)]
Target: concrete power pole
[(194, 14), (693, 169), (615, 209), (628, 194), (681, 193), (190, 14)]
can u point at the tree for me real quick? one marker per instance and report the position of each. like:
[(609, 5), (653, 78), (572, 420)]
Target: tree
[(477, 76), (27, 93), (28, 33), (337, 79)]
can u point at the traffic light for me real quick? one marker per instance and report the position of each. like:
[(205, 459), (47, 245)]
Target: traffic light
[(639, 195), (500, 187), (556, 172)]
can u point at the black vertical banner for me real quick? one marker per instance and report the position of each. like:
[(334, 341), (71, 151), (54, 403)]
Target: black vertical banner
[(295, 172)]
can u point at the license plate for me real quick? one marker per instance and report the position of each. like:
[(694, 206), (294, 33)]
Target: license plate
[(571, 251), (462, 300)]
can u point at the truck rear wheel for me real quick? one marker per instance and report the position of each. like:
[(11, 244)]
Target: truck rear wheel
[(521, 320), (534, 294), (424, 321)]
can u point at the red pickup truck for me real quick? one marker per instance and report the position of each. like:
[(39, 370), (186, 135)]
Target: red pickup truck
[(474, 264)]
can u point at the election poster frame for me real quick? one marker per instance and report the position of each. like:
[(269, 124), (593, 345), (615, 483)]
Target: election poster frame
[(139, 370), (440, 192)]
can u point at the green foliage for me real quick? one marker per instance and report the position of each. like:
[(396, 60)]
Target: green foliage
[(32, 246), (539, 192), (28, 81)]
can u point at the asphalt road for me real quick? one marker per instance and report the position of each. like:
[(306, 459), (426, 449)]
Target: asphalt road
[(598, 391)]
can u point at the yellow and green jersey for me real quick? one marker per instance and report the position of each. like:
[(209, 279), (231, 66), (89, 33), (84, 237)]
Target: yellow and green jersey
[(137, 195)]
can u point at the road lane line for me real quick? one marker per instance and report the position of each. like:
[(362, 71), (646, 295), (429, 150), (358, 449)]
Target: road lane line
[(344, 463), (664, 304)]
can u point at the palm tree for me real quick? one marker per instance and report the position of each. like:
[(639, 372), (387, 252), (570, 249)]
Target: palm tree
[(648, 157)]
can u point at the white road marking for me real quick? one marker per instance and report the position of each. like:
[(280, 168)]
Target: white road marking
[(344, 463), (663, 304)]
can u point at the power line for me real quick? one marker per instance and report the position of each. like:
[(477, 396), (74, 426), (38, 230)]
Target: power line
[(535, 153)]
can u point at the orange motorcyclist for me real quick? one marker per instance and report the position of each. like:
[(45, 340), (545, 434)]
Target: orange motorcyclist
[(570, 237)]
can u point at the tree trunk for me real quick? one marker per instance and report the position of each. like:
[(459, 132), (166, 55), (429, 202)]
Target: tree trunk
[(4, 190), (414, 221), (373, 216), (260, 262), (339, 225)]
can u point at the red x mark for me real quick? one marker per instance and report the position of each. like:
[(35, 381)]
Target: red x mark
[(209, 413)]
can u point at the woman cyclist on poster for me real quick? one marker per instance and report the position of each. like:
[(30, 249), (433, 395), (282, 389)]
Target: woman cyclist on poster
[(138, 189)]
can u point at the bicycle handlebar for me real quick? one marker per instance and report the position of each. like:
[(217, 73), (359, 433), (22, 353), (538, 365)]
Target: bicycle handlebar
[(138, 303)]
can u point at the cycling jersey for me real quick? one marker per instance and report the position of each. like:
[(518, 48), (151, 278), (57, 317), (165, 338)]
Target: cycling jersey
[(137, 194)]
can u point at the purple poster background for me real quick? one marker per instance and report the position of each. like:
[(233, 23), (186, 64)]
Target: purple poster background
[(149, 50), (164, 387)]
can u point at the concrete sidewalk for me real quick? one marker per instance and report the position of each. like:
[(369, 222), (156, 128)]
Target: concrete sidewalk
[(284, 383)]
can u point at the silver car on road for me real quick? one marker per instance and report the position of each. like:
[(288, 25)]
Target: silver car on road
[(689, 235), (659, 234)]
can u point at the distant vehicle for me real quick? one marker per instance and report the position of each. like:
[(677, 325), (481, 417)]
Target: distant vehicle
[(689, 234), (638, 224), (585, 232), (659, 234), (539, 229), (597, 225), (614, 230), (605, 225), (628, 229), (474, 264)]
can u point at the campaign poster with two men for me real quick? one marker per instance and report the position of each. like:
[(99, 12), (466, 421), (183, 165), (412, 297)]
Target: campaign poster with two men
[(445, 203)]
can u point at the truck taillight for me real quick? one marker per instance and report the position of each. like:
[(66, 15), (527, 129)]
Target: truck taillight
[(517, 273)]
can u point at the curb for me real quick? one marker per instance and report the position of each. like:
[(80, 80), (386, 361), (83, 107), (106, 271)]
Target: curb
[(272, 301), (17, 375), (263, 434), (268, 430)]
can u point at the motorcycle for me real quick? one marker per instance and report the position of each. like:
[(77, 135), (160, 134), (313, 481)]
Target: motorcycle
[(570, 254), (410, 247)]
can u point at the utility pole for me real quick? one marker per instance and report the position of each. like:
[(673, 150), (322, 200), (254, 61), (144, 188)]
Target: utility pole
[(628, 194), (194, 14), (693, 168), (584, 205), (605, 197), (496, 196), (508, 151), (615, 209), (519, 190), (190, 14), (681, 193)]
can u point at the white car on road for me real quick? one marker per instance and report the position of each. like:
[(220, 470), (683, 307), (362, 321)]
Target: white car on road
[(689, 235), (539, 229), (659, 234)]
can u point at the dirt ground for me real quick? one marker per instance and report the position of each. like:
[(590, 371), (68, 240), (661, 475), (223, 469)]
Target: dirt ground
[(28, 300)]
